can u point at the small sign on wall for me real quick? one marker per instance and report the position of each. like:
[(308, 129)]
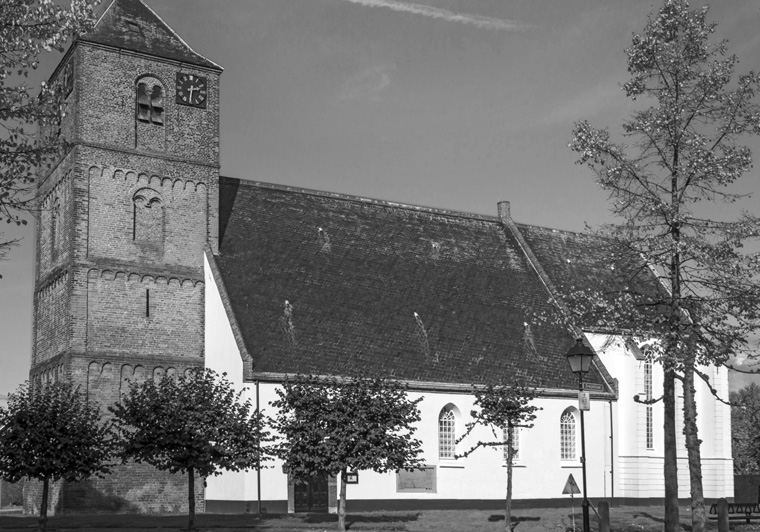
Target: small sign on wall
[(416, 481), (352, 477), (584, 401)]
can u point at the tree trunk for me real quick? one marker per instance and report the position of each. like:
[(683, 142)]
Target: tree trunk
[(342, 502), (44, 505), (671, 462), (692, 447), (190, 498), (671, 351), (508, 510)]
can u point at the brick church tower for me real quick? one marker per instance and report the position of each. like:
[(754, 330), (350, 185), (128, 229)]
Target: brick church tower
[(125, 216)]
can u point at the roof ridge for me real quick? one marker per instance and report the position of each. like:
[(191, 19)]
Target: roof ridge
[(366, 200), (583, 233), (103, 14)]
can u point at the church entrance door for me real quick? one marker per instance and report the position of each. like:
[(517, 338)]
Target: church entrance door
[(311, 495)]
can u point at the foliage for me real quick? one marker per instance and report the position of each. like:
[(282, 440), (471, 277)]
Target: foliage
[(745, 430), (28, 28), (683, 157), (332, 425), (504, 407), (196, 425), (51, 432)]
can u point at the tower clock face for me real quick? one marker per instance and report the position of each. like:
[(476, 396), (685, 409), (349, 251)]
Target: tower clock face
[(191, 90)]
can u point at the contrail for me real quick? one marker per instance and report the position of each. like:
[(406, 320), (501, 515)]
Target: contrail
[(444, 14)]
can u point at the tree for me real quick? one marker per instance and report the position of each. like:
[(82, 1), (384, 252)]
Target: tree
[(195, 426), (51, 432), (333, 425), (505, 407), (683, 159), (27, 29), (745, 430)]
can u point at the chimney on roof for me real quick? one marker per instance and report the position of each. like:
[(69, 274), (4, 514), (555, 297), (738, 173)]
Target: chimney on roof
[(504, 212)]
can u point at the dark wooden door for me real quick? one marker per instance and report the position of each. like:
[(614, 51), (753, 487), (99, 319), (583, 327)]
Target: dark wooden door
[(311, 495)]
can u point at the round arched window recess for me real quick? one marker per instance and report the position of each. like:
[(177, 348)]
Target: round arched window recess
[(447, 432), (149, 93), (568, 434), (148, 216)]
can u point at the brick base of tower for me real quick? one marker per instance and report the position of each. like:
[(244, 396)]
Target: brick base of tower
[(130, 488)]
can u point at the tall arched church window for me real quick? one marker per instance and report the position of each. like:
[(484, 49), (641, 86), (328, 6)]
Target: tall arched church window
[(150, 102), (515, 443), (447, 434), (567, 435), (649, 413), (148, 221)]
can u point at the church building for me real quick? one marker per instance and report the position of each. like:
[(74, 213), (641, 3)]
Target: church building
[(149, 263)]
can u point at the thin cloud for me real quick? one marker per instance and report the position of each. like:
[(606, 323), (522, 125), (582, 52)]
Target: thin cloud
[(367, 84), (479, 21)]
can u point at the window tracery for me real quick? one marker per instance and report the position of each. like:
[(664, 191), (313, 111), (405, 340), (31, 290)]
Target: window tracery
[(447, 434), (567, 435)]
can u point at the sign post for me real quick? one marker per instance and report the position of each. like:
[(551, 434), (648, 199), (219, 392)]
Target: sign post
[(571, 487)]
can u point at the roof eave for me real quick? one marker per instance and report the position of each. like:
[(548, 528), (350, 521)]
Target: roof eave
[(432, 386), (245, 357)]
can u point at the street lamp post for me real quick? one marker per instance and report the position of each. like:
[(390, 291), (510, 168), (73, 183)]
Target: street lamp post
[(579, 357)]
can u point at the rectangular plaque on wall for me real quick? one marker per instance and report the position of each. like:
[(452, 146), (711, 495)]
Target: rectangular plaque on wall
[(417, 481)]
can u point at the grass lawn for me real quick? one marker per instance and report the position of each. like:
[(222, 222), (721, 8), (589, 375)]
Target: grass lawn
[(623, 519)]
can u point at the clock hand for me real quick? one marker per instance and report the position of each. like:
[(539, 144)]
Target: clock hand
[(191, 88)]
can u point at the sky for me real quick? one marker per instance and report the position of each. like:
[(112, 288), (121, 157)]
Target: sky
[(456, 104)]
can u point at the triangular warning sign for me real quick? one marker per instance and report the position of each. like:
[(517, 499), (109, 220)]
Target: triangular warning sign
[(571, 487)]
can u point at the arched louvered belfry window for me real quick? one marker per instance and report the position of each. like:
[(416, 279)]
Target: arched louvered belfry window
[(150, 102), (447, 434), (567, 435)]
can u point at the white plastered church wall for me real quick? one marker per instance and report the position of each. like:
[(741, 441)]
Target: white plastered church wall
[(223, 356), (639, 470)]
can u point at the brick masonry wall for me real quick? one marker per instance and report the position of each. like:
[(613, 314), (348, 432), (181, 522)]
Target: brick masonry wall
[(11, 493), (181, 191), (55, 241), (154, 316), (51, 319), (131, 487), (107, 99), (55, 220)]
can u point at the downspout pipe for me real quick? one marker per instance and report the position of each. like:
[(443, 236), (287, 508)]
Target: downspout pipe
[(258, 457), (612, 453)]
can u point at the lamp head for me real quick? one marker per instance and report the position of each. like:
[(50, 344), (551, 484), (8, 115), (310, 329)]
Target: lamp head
[(579, 357)]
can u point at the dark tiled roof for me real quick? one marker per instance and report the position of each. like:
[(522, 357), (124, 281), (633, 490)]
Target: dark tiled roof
[(356, 271), (571, 260), (132, 25), (581, 261)]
